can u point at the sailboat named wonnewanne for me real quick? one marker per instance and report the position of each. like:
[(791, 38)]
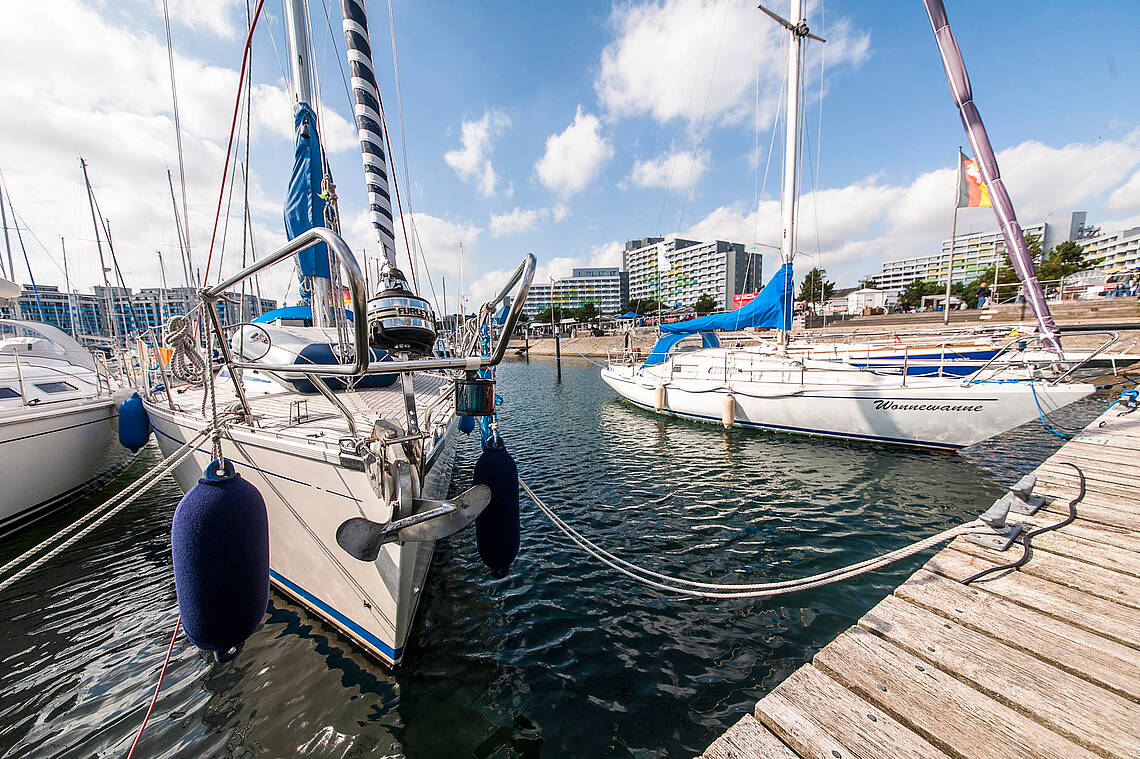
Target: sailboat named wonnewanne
[(343, 419), (780, 389)]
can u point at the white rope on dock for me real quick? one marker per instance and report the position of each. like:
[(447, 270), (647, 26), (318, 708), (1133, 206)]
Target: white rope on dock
[(127, 496), (743, 590)]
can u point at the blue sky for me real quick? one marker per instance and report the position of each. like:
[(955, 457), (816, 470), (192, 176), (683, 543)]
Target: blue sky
[(553, 128)]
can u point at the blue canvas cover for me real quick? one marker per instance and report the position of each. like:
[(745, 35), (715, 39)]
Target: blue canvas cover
[(501, 315), (291, 312), (304, 206), (772, 308), (665, 344), (629, 315)]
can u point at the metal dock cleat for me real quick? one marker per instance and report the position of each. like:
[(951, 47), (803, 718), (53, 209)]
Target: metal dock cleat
[(1002, 533), (1024, 502)]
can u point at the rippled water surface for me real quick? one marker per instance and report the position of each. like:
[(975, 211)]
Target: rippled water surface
[(562, 658)]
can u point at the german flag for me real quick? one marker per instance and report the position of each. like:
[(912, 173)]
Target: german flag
[(972, 191)]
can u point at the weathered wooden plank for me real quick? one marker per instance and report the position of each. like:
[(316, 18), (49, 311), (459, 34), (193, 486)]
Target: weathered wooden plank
[(1092, 508), (748, 739), (1081, 652), (1114, 621), (817, 716), (1109, 491), (945, 711), (1097, 472), (1106, 534), (1060, 543), (1087, 714), (1089, 578)]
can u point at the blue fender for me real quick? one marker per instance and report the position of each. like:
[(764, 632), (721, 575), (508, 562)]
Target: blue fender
[(497, 529), (134, 423), (220, 545)]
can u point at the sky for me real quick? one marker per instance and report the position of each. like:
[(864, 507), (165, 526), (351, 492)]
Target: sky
[(563, 129)]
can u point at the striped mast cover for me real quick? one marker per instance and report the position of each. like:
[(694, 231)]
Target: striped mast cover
[(366, 95)]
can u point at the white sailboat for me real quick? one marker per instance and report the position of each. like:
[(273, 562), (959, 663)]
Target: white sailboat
[(782, 389), (57, 419), (346, 423)]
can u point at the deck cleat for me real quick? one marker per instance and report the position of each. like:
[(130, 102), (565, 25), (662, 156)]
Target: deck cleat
[(1002, 532)]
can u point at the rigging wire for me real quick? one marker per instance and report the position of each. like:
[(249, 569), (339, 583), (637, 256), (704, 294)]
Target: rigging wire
[(233, 127), (178, 135), (698, 138)]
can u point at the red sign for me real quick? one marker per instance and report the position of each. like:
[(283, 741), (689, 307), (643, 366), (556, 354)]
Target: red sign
[(740, 300)]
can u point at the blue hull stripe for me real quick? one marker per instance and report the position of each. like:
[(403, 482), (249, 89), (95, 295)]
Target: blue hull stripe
[(809, 431), (324, 608)]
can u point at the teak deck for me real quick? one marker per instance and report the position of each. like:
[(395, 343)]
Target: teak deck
[(1039, 662)]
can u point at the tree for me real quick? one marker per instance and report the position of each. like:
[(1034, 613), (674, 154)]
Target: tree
[(705, 304), (815, 287), (586, 313), (868, 283), (912, 294), (643, 306), (1061, 261)]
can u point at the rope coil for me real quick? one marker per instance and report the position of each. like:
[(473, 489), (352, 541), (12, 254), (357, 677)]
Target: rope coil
[(186, 363)]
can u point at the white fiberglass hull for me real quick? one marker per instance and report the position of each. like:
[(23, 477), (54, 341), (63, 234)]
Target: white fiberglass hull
[(308, 494), (50, 452), (925, 412)]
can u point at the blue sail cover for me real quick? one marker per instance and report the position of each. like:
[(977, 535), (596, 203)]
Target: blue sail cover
[(291, 312), (501, 315), (772, 308), (304, 206), (665, 344)]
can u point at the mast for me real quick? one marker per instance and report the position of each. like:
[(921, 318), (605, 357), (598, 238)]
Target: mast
[(67, 286), (297, 34), (183, 234), (99, 247), (161, 293), (7, 242), (183, 250), (797, 27), (959, 80)]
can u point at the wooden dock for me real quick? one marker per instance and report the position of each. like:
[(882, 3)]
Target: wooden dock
[(1039, 662)]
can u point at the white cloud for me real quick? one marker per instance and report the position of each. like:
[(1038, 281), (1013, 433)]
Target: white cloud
[(472, 161), (676, 171), (105, 95), (525, 219), (700, 59), (217, 17), (862, 224), (574, 156)]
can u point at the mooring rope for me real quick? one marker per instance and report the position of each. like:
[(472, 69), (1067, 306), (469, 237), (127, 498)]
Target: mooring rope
[(743, 590), (157, 687), (127, 495)]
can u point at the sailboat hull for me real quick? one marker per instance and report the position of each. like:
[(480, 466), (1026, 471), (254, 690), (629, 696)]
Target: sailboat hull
[(850, 405), (308, 494)]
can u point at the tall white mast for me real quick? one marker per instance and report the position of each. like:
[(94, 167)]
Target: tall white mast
[(797, 27), (297, 34), (792, 136)]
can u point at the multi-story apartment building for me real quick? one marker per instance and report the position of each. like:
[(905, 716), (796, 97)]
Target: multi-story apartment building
[(973, 253), (606, 287), (85, 314), (1113, 253), (677, 272)]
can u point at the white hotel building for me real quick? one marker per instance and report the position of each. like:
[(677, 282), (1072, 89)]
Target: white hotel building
[(1114, 253), (677, 272), (605, 287)]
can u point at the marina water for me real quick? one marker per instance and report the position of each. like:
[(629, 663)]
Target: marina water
[(562, 658)]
